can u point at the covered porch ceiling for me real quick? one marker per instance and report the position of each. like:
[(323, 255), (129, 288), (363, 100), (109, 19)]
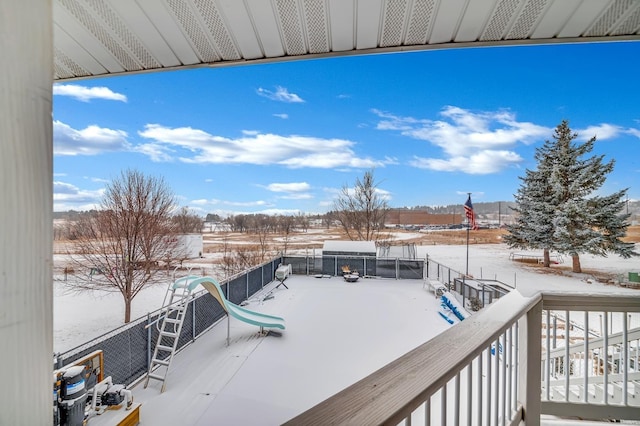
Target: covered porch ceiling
[(104, 37)]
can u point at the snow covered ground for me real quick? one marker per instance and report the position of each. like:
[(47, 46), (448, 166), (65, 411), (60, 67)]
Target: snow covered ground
[(336, 334), (80, 317)]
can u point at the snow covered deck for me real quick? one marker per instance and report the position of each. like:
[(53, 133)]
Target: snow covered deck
[(337, 333)]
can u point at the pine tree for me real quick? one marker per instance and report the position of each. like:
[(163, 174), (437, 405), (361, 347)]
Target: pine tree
[(558, 208), (532, 229)]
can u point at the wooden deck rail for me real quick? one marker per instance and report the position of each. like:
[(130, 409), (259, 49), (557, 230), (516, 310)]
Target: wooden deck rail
[(392, 393), (513, 325)]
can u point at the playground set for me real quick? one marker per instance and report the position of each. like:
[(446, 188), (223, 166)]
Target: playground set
[(82, 395), (172, 318)]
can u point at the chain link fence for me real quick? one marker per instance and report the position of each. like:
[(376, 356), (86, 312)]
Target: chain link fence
[(127, 350), (476, 293), (365, 265)]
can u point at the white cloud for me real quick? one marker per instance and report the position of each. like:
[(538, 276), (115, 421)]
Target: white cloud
[(601, 132), (91, 140), (301, 196), (69, 197), (205, 202), (64, 188), (85, 94), (289, 187), (471, 142), (197, 146), (382, 193), (463, 130), (480, 163), (283, 116), (293, 190), (156, 152), (634, 132), (97, 180), (246, 203), (281, 94)]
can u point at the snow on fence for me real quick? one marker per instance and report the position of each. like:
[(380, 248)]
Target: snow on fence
[(127, 349)]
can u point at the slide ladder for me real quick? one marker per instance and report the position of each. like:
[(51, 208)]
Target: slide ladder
[(174, 309)]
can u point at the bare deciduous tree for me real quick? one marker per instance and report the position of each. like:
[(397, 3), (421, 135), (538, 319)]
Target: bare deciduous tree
[(361, 210), (263, 225), (131, 231), (285, 225), (302, 221), (187, 222)]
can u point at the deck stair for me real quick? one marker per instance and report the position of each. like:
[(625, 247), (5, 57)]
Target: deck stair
[(169, 323), (611, 366), (596, 389)]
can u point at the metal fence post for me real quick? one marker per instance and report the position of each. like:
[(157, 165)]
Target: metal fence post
[(193, 319), (148, 341)]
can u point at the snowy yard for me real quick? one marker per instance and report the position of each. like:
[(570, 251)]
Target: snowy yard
[(79, 317)]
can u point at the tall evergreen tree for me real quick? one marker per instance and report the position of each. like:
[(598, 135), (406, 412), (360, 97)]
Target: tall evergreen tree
[(558, 208), (533, 229)]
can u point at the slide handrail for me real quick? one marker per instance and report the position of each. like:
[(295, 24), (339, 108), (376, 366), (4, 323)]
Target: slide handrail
[(252, 317)]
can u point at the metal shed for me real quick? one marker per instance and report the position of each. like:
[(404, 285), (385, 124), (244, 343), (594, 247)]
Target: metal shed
[(357, 255)]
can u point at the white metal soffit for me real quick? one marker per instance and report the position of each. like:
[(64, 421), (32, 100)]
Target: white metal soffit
[(100, 37)]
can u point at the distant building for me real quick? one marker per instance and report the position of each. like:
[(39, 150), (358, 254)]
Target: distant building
[(421, 218)]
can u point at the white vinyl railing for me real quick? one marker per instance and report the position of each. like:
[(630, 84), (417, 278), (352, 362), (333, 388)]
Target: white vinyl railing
[(590, 362), (491, 369)]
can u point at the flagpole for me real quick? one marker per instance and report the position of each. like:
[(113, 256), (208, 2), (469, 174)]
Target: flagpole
[(468, 225)]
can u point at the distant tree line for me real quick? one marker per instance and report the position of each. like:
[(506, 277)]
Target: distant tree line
[(263, 223), (77, 225)]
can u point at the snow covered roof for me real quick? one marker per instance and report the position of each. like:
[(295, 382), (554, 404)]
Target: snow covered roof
[(354, 247)]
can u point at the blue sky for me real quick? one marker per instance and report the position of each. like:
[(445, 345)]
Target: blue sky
[(286, 137)]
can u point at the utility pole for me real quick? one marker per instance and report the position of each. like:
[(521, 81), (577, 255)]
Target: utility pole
[(627, 203), (468, 228)]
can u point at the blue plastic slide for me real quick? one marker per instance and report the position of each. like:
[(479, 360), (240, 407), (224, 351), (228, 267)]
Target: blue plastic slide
[(446, 317), (452, 303), (238, 312)]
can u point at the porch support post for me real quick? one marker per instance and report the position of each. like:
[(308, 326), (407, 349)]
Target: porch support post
[(26, 218), (529, 364)]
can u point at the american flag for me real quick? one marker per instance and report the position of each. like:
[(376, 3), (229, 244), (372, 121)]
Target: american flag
[(468, 211)]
